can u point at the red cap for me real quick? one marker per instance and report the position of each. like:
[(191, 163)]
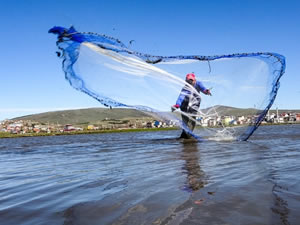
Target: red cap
[(190, 76)]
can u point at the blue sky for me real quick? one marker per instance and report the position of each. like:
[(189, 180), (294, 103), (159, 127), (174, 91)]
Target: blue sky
[(31, 77)]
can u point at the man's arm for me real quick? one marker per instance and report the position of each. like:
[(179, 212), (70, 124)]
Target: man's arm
[(203, 89), (180, 99)]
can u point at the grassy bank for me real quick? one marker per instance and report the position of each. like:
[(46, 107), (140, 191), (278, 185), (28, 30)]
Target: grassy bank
[(9, 135)]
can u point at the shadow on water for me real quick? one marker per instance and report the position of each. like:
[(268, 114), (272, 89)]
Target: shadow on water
[(267, 159), (280, 206)]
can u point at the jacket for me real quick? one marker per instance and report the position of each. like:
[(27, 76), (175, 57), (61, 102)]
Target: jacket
[(189, 98)]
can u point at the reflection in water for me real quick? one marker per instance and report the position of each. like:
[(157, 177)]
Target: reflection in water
[(195, 176)]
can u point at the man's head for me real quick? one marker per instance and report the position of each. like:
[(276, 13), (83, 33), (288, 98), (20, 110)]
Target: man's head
[(190, 78)]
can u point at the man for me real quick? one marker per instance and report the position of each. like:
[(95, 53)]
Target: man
[(189, 102)]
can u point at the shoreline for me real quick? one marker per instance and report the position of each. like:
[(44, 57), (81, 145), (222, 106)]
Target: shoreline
[(9, 135)]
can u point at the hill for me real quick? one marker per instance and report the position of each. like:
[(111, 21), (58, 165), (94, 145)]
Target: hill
[(83, 116), (229, 111)]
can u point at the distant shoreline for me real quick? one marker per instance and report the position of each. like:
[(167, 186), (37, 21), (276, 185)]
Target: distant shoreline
[(9, 135)]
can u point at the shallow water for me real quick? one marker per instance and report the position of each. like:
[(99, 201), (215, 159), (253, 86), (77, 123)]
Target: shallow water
[(151, 178)]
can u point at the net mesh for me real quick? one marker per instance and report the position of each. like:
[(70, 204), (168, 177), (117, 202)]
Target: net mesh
[(243, 85)]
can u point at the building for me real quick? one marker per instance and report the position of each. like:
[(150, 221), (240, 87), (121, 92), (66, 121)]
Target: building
[(69, 127)]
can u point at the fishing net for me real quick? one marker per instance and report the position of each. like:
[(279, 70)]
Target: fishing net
[(243, 86)]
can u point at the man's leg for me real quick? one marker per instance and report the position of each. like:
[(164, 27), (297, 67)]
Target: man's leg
[(185, 120), (190, 122)]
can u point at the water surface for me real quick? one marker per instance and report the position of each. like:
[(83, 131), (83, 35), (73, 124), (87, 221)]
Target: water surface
[(151, 178)]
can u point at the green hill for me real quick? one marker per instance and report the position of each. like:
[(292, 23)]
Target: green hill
[(83, 116), (230, 111)]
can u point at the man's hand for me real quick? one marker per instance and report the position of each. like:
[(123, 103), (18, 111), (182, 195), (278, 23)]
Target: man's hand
[(207, 92), (174, 107)]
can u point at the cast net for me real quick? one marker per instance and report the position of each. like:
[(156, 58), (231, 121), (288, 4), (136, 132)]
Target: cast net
[(243, 86)]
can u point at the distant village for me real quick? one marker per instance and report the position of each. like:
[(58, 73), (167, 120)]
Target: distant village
[(270, 118), (27, 126)]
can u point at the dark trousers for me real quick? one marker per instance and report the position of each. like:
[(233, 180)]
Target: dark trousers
[(189, 121)]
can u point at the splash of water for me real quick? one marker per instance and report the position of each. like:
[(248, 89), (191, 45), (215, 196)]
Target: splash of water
[(244, 85)]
